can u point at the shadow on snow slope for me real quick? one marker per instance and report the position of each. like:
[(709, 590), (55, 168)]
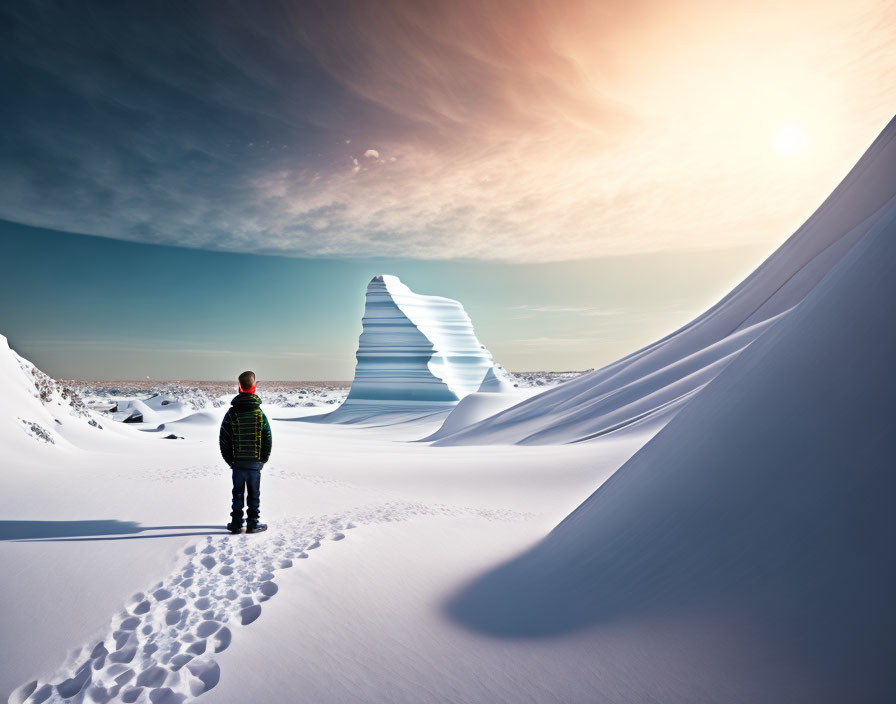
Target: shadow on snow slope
[(762, 513)]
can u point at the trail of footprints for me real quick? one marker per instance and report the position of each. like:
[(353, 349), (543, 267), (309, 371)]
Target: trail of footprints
[(161, 648)]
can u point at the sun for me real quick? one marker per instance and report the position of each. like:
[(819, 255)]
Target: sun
[(790, 140)]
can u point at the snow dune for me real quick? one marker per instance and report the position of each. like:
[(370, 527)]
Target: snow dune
[(152, 411), (648, 387), (760, 518), (475, 407)]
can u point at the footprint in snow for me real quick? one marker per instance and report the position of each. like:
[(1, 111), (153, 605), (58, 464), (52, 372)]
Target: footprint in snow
[(161, 649)]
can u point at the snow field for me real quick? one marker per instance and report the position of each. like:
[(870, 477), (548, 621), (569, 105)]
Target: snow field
[(161, 647)]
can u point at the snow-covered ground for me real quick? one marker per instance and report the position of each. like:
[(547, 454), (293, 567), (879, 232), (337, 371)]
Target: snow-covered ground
[(161, 401), (200, 395), (106, 510), (713, 521), (122, 575)]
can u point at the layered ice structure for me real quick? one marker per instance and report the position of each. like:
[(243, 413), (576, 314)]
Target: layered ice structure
[(416, 354)]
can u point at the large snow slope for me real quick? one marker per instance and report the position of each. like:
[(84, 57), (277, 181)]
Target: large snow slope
[(757, 527), (649, 386), (37, 411), (415, 353)]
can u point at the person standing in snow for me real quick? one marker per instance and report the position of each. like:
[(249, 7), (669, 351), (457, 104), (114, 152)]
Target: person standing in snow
[(245, 441)]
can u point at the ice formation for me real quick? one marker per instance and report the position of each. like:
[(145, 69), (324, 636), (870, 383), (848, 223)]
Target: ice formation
[(415, 351)]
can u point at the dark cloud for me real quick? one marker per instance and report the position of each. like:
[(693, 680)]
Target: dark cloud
[(131, 118)]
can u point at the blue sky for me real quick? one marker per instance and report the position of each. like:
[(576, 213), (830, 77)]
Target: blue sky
[(584, 176), (98, 308)]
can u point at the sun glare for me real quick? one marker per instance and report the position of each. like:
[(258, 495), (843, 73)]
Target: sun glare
[(790, 140)]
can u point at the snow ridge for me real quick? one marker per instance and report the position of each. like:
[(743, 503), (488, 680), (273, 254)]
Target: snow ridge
[(41, 408), (759, 520), (650, 386)]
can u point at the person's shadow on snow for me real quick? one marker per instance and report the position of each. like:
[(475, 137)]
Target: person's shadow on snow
[(40, 531)]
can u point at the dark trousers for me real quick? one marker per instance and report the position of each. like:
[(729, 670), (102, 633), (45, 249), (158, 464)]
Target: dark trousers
[(248, 482)]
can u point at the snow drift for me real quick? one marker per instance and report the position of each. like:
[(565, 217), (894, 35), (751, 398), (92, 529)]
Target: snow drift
[(757, 526), (416, 354), (651, 385), (474, 408), (496, 393), (153, 411), (35, 410)]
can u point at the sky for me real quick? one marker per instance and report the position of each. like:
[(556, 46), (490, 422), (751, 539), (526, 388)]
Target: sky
[(583, 176), (110, 309)]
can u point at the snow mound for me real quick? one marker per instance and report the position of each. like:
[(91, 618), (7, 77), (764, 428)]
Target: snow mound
[(496, 393), (163, 403), (133, 411), (476, 407), (198, 418), (188, 426), (416, 354), (153, 411), (36, 410), (648, 387), (762, 511)]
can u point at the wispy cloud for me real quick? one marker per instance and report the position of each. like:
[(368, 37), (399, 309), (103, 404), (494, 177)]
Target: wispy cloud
[(570, 309), (523, 131), (549, 342), (186, 347)]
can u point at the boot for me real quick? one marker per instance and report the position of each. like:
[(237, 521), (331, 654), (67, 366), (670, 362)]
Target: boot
[(235, 527), (256, 527)]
